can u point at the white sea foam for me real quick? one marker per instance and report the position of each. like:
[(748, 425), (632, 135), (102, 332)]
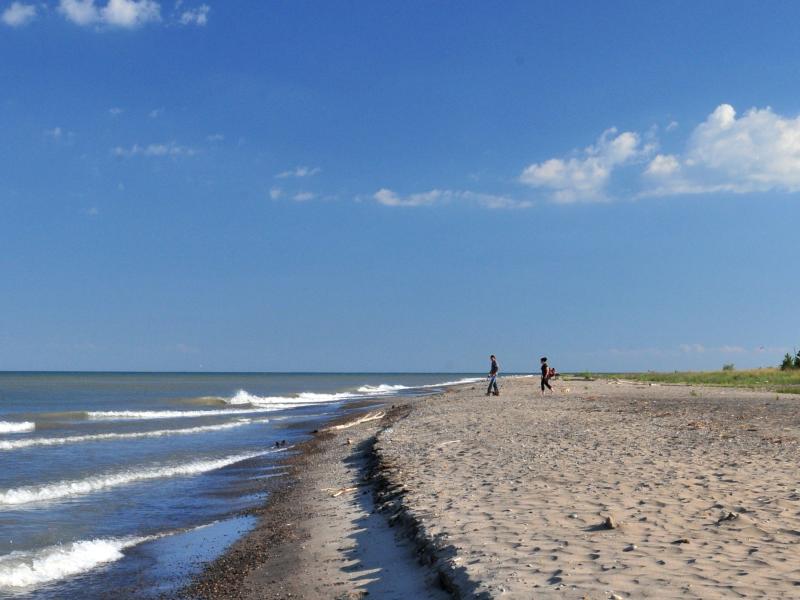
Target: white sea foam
[(18, 427), (119, 415), (30, 569), (65, 489), (100, 437), (449, 383), (302, 399), (386, 388)]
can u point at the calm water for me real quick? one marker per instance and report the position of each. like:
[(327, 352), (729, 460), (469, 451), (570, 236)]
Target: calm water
[(130, 481)]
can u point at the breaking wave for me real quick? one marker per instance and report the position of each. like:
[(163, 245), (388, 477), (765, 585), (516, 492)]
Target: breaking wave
[(65, 489), (99, 437), (29, 569), (119, 415), (18, 427), (302, 399), (386, 388)]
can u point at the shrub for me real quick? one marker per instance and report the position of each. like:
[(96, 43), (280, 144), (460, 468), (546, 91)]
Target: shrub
[(791, 362), (727, 367)]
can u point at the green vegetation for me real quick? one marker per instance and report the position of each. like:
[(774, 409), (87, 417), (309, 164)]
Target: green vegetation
[(728, 367), (788, 390), (785, 381), (790, 362)]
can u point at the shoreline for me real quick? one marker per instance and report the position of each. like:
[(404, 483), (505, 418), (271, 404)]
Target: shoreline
[(602, 490), (273, 559)]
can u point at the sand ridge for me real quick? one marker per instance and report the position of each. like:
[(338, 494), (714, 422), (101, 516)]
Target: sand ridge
[(702, 481)]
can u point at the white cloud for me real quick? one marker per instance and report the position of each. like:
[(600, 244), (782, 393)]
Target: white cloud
[(56, 133), (155, 113), (19, 14), (215, 137), (387, 197), (299, 172), (275, 193), (757, 152), (80, 12), (115, 111), (92, 211), (116, 13), (673, 125), (663, 164), (689, 348), (584, 178), (731, 349), (195, 16), (156, 150), (303, 196)]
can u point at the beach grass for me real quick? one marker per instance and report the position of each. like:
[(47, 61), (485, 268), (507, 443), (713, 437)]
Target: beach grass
[(787, 382)]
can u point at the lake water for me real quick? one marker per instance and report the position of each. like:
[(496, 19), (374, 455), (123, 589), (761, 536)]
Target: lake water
[(131, 481)]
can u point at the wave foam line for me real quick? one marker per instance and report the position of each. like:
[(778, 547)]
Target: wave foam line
[(122, 415), (100, 437), (65, 489), (16, 427), (386, 388), (302, 399), (29, 569)]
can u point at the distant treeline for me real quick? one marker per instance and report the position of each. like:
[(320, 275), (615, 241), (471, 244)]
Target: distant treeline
[(791, 362)]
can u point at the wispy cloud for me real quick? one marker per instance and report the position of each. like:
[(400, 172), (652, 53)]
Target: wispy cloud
[(215, 137), (195, 16), (387, 197), (115, 111), (585, 177), (127, 14), (18, 14), (59, 134), (170, 149), (155, 113), (56, 133), (691, 349), (303, 196), (275, 193), (299, 172)]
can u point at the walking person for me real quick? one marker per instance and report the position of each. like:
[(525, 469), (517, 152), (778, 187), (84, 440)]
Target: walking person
[(493, 371), (545, 375)]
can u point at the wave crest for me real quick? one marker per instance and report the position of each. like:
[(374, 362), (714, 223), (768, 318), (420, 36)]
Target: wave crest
[(64, 489), (28, 569), (278, 402), (16, 427), (100, 437)]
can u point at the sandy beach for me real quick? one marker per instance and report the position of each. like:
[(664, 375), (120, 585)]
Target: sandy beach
[(701, 484), (605, 489)]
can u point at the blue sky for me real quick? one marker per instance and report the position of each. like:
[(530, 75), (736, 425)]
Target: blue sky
[(356, 186)]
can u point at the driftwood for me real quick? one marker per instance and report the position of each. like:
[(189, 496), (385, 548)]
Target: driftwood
[(374, 416), (335, 493)]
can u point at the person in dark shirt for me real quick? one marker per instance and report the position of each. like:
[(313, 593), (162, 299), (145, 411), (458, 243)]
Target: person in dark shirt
[(545, 375), (493, 371)]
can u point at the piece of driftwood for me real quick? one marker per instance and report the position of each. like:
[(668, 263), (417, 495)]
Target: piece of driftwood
[(373, 416)]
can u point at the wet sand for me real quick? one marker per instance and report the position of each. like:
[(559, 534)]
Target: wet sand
[(319, 535)]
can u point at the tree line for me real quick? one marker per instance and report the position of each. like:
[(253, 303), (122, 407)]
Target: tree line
[(791, 362)]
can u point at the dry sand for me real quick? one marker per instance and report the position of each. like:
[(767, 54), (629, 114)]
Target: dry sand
[(512, 492)]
